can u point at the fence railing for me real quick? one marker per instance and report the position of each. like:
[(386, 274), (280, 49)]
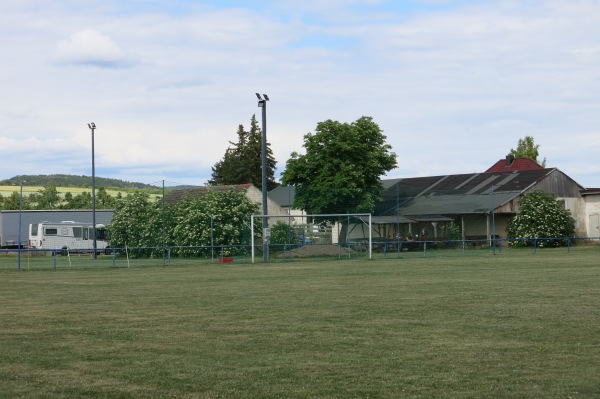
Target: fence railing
[(36, 259)]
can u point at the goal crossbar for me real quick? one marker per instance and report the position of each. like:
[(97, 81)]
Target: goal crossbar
[(360, 216)]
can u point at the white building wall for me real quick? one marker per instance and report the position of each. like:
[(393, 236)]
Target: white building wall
[(592, 210), (577, 207)]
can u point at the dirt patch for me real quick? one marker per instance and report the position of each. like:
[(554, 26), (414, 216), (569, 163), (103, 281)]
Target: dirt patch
[(315, 250)]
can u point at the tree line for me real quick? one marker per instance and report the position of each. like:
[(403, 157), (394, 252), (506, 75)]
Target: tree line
[(48, 198), (61, 180)]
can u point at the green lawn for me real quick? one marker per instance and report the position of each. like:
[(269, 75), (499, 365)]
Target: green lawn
[(472, 327)]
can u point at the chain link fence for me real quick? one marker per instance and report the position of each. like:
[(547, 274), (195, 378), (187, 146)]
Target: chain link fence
[(299, 251)]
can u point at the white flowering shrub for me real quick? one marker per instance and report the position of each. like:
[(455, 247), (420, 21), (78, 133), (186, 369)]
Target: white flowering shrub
[(229, 213), (138, 222), (133, 222), (540, 216)]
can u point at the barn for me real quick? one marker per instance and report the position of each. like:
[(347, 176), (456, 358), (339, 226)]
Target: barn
[(481, 204)]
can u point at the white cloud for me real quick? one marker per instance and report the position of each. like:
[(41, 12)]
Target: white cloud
[(453, 89), (90, 47)]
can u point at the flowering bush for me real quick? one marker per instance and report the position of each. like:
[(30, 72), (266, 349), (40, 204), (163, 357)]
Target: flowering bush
[(540, 216), (219, 218)]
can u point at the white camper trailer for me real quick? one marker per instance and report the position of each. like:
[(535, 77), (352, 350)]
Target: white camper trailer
[(71, 236)]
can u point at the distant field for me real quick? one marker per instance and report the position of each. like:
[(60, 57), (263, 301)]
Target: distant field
[(471, 327), (8, 190)]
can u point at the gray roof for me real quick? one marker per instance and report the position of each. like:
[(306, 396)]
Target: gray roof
[(456, 194), (434, 198)]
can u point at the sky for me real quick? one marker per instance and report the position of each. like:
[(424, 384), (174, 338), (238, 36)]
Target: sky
[(453, 84)]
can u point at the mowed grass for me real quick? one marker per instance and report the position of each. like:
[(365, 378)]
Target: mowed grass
[(485, 327)]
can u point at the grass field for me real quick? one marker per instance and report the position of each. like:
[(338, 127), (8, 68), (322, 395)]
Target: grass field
[(472, 327)]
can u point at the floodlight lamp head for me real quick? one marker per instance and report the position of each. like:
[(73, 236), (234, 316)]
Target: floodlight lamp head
[(266, 97), (259, 97), (92, 125)]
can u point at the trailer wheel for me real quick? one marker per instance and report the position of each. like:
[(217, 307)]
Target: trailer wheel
[(64, 251)]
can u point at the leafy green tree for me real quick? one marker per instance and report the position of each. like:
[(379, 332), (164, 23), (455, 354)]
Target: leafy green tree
[(526, 148), (282, 234), (242, 162), (48, 197), (105, 200), (342, 167), (13, 202), (82, 200), (540, 216)]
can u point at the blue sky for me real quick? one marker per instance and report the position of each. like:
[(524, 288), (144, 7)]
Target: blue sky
[(453, 84)]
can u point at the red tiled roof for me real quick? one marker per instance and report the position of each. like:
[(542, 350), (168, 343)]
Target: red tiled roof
[(509, 165)]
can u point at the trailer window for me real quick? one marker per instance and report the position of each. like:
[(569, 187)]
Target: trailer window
[(34, 229), (77, 232), (50, 232), (101, 234)]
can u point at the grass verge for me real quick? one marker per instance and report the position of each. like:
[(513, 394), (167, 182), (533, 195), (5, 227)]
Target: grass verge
[(522, 327)]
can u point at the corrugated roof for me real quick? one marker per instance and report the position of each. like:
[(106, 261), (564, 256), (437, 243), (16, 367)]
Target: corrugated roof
[(457, 194), (454, 194)]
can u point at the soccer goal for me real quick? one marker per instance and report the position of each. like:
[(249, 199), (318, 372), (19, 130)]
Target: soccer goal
[(317, 234)]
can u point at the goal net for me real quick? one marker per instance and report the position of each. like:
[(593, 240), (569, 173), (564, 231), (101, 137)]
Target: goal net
[(311, 235)]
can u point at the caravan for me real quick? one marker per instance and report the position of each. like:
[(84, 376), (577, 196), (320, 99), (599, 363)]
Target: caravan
[(67, 236)]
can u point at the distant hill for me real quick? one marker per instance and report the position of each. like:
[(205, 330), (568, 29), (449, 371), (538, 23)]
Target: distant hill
[(72, 181)]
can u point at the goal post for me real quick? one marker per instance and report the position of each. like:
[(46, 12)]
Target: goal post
[(339, 229)]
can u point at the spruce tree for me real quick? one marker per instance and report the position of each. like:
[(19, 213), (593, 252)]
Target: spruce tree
[(242, 162)]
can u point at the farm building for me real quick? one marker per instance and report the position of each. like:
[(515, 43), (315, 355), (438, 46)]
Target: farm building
[(481, 204)]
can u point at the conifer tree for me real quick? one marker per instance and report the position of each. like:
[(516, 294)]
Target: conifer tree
[(242, 162)]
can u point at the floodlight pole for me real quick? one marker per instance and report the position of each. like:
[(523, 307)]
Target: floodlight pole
[(262, 103), (92, 127), (20, 218)]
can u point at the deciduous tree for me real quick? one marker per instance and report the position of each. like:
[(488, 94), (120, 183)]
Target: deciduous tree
[(48, 197), (342, 167), (14, 202), (526, 148)]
